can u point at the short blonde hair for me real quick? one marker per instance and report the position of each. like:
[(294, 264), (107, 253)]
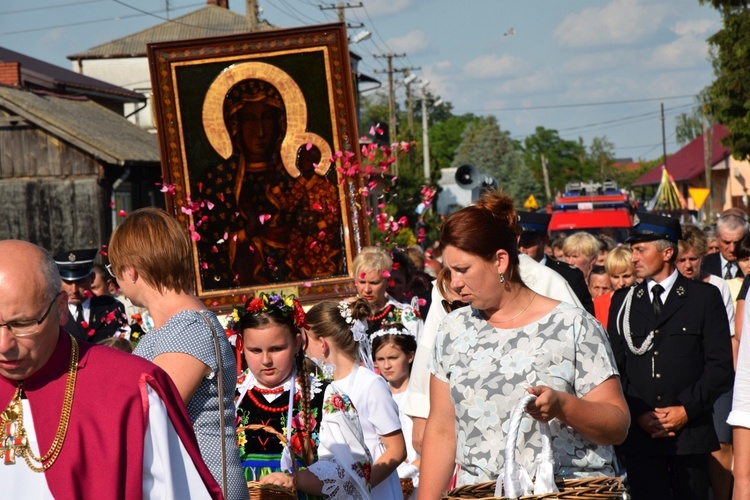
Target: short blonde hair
[(582, 242), (693, 238), (618, 261), (372, 259)]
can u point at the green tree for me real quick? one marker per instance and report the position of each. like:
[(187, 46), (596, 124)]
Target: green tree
[(521, 182), (601, 155), (730, 91), (688, 126), (486, 147), (564, 158)]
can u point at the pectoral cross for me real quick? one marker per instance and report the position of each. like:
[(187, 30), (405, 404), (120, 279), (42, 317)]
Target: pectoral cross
[(12, 443)]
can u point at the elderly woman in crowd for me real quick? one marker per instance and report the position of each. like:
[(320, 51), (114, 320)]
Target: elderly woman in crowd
[(373, 269), (151, 258), (509, 343)]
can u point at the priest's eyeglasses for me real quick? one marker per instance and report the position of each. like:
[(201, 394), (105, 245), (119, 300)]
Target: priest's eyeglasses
[(28, 327)]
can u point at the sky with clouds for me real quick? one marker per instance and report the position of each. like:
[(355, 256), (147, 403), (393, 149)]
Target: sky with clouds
[(587, 68)]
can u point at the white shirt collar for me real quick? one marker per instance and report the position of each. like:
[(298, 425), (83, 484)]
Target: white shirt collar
[(724, 263), (667, 283)]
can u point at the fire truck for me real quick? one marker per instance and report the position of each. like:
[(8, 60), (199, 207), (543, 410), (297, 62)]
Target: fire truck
[(599, 208)]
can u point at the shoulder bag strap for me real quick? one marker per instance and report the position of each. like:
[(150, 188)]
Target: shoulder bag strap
[(220, 382)]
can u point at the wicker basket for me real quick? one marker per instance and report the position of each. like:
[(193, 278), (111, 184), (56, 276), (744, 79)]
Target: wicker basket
[(265, 491), (593, 488), (407, 487)]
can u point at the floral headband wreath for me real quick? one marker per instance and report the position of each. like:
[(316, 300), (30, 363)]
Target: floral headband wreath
[(273, 305), (393, 329), (358, 328)]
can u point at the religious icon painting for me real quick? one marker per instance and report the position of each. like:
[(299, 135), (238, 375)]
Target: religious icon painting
[(252, 129)]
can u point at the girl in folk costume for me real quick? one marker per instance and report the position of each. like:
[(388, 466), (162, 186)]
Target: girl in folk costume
[(337, 336), (279, 401), (393, 349)]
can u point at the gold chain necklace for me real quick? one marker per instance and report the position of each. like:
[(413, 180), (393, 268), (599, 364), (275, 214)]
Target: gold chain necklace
[(517, 315), (16, 438)]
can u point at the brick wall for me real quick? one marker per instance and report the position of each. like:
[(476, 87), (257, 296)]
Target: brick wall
[(10, 73)]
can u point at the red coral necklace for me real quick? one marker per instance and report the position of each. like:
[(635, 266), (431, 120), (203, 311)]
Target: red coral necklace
[(385, 312), (265, 407)]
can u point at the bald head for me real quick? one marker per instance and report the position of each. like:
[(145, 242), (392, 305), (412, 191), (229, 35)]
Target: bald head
[(30, 288), (30, 264)]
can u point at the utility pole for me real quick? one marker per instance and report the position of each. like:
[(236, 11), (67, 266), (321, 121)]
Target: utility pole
[(545, 174), (425, 138), (408, 80), (707, 154), (340, 7), (391, 101)]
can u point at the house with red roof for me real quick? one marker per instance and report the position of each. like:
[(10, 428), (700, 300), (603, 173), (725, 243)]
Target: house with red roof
[(730, 178)]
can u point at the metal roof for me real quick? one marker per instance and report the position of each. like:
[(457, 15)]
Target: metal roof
[(689, 162), (98, 131), (39, 74), (208, 21)]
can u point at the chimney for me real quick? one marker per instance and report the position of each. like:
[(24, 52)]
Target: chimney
[(251, 11), (10, 73), (219, 3)]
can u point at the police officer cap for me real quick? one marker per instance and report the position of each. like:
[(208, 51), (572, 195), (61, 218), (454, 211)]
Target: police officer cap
[(650, 227), (533, 224), (75, 264)]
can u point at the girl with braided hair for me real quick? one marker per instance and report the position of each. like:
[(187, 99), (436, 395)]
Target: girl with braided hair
[(338, 335), (286, 415)]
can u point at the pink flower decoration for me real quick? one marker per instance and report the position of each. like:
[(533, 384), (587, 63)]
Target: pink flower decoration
[(386, 274), (263, 218)]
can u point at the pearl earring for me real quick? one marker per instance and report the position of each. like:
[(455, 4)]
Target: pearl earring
[(502, 278)]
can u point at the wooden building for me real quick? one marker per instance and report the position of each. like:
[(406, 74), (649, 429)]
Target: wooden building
[(69, 162)]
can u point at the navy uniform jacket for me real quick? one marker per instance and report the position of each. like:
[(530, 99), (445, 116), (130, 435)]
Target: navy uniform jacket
[(106, 318), (576, 280), (711, 263), (689, 364)]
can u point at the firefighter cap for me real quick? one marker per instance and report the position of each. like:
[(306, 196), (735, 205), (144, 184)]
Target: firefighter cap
[(650, 227)]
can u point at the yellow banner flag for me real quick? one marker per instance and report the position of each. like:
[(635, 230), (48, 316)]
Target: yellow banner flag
[(699, 196)]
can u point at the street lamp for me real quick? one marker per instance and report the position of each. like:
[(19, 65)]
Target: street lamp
[(361, 36)]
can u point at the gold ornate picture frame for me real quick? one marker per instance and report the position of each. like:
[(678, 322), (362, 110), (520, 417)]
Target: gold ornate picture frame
[(251, 130)]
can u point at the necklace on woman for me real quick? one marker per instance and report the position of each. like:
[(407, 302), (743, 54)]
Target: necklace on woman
[(381, 315), (16, 438), (517, 315)]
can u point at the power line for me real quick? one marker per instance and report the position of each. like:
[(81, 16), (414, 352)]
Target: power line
[(92, 21), (589, 104), (34, 9)]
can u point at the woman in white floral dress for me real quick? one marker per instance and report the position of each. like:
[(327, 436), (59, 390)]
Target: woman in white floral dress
[(511, 342)]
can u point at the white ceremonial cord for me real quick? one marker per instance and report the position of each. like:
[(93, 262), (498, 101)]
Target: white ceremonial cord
[(648, 343)]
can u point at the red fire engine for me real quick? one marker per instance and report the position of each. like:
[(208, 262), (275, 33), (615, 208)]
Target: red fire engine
[(594, 207)]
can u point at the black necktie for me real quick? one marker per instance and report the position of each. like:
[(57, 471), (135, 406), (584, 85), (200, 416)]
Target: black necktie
[(728, 273), (657, 303), (79, 312)]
